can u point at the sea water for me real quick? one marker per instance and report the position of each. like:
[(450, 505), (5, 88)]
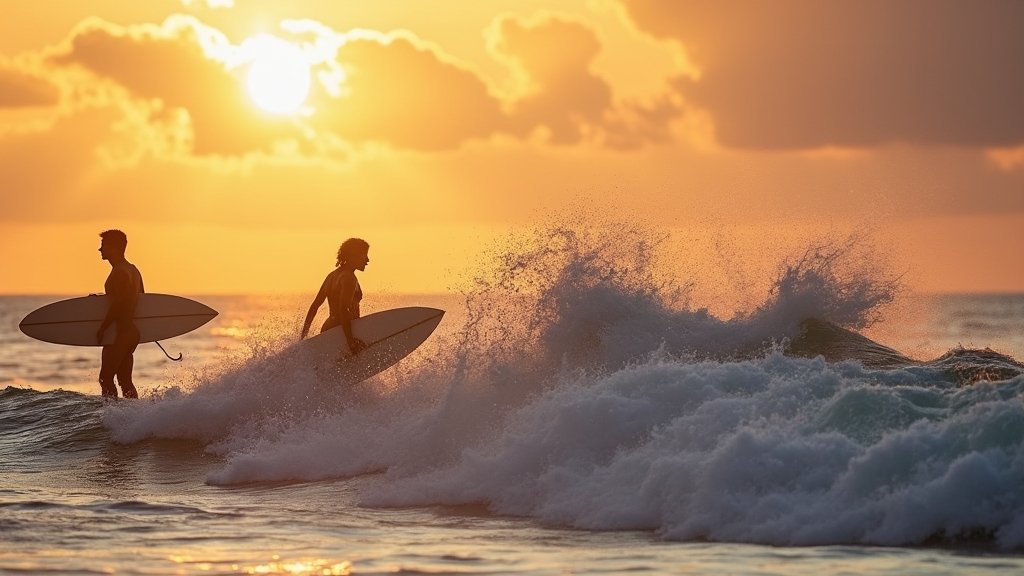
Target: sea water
[(570, 415)]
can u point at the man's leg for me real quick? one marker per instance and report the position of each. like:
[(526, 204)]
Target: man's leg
[(110, 358), (124, 374)]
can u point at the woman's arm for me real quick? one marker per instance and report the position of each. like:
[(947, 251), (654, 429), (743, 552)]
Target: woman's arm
[(313, 308)]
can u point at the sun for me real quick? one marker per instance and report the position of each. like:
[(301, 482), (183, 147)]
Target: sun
[(279, 77)]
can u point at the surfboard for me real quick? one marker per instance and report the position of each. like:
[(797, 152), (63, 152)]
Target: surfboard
[(74, 322), (389, 336)]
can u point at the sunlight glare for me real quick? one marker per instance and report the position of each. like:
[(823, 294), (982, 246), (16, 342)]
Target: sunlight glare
[(279, 76)]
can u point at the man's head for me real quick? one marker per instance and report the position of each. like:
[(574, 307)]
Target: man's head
[(354, 250), (113, 244)]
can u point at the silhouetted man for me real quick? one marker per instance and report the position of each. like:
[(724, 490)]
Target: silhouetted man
[(123, 286)]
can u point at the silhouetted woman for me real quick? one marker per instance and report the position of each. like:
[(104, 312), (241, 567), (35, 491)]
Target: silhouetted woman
[(342, 292)]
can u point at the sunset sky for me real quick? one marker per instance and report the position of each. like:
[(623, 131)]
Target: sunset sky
[(239, 142)]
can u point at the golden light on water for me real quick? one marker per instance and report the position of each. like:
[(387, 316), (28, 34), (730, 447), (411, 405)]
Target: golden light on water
[(233, 331), (316, 566), (297, 567)]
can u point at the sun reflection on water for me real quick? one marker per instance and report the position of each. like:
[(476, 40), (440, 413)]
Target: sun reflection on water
[(234, 331), (317, 566)]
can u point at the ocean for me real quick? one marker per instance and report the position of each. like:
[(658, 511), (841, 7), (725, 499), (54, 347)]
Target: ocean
[(569, 418)]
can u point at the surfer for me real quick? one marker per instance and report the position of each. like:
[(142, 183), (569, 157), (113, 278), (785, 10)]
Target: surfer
[(123, 286), (342, 292)]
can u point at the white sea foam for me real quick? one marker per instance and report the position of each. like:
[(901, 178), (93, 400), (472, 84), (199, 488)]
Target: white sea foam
[(745, 451), (583, 391)]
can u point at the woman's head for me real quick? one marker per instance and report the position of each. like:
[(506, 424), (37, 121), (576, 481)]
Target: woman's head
[(351, 250)]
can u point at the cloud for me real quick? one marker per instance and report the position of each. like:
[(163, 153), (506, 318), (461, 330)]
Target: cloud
[(171, 65), (563, 96), (407, 92), (555, 57), (793, 74), (1008, 159), (181, 82), (401, 91), (21, 89), (49, 173), (213, 4)]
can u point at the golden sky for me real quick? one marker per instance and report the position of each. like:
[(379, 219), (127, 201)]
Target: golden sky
[(239, 142)]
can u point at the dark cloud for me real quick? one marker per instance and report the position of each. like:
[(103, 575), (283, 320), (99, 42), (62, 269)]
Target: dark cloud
[(809, 73), (167, 63), (19, 89)]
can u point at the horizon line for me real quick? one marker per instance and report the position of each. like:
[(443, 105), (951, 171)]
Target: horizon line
[(1019, 292)]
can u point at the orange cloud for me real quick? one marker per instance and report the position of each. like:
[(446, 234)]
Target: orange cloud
[(555, 55), (50, 173), (850, 73), (169, 64), (181, 81), (564, 97), (21, 89), (399, 90), (1008, 159), (403, 91)]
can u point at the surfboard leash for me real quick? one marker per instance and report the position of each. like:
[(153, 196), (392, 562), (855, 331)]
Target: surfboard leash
[(178, 359)]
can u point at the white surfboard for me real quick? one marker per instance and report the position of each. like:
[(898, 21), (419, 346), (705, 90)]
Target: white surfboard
[(75, 321), (389, 336)]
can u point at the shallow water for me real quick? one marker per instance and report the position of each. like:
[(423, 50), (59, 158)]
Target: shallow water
[(458, 461)]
